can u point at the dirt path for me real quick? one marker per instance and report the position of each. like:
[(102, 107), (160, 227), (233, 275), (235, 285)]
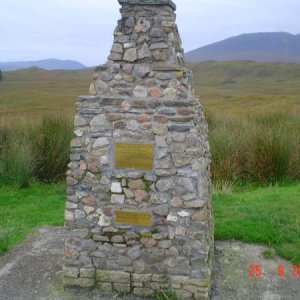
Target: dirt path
[(32, 271)]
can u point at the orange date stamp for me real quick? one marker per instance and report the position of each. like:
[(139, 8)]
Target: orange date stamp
[(255, 271)]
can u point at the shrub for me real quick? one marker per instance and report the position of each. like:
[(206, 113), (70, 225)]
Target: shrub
[(35, 151), (51, 142), (17, 161), (262, 148)]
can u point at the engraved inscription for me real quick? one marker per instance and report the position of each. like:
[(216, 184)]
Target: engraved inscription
[(133, 218), (136, 156)]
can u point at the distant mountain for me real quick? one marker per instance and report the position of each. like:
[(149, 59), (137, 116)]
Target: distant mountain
[(47, 64), (258, 47)]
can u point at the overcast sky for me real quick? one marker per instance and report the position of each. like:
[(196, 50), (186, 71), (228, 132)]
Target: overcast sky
[(82, 30)]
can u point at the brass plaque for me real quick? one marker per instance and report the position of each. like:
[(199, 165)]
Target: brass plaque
[(136, 156), (133, 218)]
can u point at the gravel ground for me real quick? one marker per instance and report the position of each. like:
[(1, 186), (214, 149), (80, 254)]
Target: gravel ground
[(32, 271)]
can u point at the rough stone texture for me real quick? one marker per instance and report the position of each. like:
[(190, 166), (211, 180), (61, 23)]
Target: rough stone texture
[(143, 94)]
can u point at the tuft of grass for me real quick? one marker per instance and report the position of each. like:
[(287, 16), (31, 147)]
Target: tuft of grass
[(165, 295), (22, 210), (257, 148), (51, 142), (35, 151), (267, 215), (269, 253), (16, 160)]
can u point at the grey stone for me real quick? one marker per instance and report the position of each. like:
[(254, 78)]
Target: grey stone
[(162, 210), (144, 52), (117, 48), (100, 143), (156, 33), (134, 253), (168, 111), (160, 141), (122, 287), (164, 185), (79, 214), (170, 93), (194, 204), (104, 221), (117, 199), (142, 70), (180, 127), (188, 184), (99, 123), (133, 125), (130, 55), (160, 45), (143, 25), (166, 244), (115, 56), (72, 272), (116, 187), (79, 121), (124, 261), (140, 92)]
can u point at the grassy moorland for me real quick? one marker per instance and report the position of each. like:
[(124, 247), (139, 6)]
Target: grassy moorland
[(253, 111), (33, 93)]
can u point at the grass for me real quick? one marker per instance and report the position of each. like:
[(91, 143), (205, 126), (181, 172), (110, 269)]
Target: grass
[(267, 215), (35, 151), (165, 295), (22, 210)]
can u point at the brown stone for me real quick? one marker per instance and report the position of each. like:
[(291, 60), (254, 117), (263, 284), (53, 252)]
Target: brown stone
[(155, 92), (114, 117), (143, 118), (143, 25), (200, 216), (130, 55), (137, 185), (91, 200), (160, 119), (140, 195), (149, 243), (184, 111), (159, 55), (176, 202), (107, 210)]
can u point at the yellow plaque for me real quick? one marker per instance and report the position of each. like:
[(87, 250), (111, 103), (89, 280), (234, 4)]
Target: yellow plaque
[(136, 156), (137, 218)]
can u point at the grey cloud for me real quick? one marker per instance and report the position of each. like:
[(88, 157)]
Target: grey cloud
[(82, 30)]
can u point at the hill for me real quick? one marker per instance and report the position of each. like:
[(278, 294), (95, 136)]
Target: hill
[(259, 47), (47, 64)]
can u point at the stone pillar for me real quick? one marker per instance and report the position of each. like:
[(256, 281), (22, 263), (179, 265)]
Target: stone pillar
[(138, 205)]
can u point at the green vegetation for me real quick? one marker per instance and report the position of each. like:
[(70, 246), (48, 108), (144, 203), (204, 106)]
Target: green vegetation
[(165, 295), (21, 210), (267, 215), (35, 151), (257, 148)]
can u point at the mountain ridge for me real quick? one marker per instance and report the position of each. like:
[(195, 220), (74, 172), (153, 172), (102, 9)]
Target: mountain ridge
[(47, 64), (258, 47)]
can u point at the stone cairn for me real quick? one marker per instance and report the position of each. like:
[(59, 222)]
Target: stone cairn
[(138, 205)]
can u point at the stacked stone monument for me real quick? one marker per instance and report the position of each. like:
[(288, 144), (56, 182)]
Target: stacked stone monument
[(138, 207)]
